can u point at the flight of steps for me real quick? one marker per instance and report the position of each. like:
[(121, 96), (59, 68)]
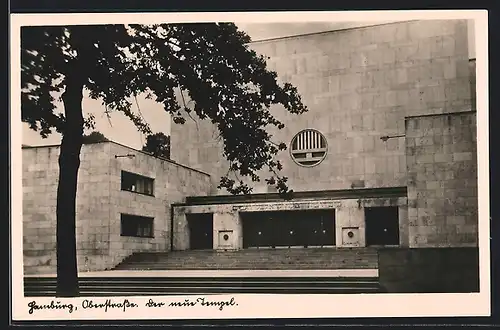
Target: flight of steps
[(146, 286), (163, 283), (263, 259)]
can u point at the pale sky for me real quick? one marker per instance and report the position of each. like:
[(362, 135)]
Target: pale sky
[(120, 129)]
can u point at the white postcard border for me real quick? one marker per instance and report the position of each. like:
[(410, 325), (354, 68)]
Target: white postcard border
[(250, 305)]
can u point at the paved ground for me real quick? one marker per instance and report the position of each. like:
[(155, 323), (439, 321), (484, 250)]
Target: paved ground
[(228, 273)]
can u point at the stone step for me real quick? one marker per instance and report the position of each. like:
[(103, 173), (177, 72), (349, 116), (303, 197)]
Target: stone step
[(296, 258), (115, 286)]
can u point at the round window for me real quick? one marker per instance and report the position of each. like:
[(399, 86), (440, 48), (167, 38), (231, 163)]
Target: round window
[(308, 148)]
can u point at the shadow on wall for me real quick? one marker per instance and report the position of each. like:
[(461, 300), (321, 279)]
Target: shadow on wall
[(472, 75)]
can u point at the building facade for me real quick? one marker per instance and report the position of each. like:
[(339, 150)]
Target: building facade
[(123, 204), (385, 157), (388, 145)]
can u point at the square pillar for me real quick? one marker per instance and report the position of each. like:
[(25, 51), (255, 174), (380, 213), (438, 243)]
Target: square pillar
[(181, 230), (350, 227), (404, 235), (227, 231)]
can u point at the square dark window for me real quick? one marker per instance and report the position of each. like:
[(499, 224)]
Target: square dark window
[(137, 183), (136, 226)]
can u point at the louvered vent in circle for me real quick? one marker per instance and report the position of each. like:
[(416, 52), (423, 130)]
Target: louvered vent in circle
[(308, 148)]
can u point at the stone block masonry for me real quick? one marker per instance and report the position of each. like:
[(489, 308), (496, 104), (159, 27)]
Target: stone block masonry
[(359, 85), (442, 180), (171, 184), (40, 182), (100, 203)]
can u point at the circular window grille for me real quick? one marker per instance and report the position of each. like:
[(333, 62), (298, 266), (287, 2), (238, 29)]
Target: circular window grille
[(308, 148)]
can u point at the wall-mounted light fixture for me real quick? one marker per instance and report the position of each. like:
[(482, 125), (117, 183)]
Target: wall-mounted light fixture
[(125, 156), (387, 137)]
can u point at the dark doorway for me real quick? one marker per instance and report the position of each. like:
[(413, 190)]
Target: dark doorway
[(382, 225), (288, 228), (200, 231)]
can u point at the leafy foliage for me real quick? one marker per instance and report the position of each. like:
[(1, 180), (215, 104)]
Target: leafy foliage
[(229, 84), (158, 144), (94, 137)]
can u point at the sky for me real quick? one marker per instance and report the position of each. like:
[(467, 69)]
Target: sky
[(120, 129), (159, 121)]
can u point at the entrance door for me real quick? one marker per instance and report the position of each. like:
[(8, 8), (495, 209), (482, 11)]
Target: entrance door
[(313, 227), (258, 229), (200, 231), (382, 226), (288, 228)]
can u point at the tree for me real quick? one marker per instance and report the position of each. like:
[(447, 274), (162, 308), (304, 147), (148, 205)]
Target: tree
[(94, 137), (228, 83), (158, 144)]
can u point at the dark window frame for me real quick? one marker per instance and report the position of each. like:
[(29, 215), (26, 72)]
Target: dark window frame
[(133, 225), (136, 178)]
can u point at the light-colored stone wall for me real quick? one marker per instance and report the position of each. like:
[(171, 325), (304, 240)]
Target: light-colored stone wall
[(40, 177), (348, 215), (93, 226), (100, 201), (227, 223), (40, 181), (359, 85), (442, 183), (172, 184)]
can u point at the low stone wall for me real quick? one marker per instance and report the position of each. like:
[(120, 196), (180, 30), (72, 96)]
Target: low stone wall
[(429, 270)]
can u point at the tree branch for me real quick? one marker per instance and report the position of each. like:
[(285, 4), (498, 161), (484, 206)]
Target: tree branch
[(139, 109), (185, 107), (108, 116)]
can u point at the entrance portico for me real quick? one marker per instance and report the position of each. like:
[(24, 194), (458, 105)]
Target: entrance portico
[(350, 218)]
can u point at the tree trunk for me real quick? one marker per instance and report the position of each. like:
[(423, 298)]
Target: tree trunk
[(69, 163)]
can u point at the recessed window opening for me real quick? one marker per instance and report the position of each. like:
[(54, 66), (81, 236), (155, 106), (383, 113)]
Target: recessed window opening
[(136, 226), (137, 183)]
